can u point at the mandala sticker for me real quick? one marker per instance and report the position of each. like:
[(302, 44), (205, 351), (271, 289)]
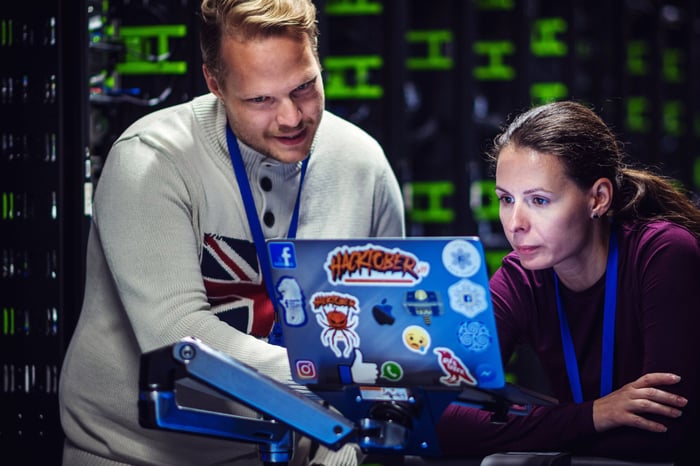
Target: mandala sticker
[(474, 335)]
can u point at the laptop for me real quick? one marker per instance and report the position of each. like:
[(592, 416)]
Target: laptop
[(387, 312), (394, 329)]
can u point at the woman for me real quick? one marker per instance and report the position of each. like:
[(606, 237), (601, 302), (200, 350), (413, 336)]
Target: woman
[(603, 283)]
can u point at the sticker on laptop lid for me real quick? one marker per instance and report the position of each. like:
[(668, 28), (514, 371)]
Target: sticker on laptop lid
[(291, 298), (359, 372), (370, 264), (467, 298), (416, 339), (392, 371), (422, 303), (474, 336), (282, 255), (456, 372), (461, 258), (337, 314)]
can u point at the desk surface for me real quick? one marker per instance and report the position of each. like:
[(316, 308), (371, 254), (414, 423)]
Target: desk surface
[(515, 460)]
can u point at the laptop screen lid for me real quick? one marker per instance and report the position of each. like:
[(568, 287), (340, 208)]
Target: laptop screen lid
[(387, 312)]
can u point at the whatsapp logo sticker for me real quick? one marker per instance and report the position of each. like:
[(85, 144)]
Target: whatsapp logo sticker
[(392, 371)]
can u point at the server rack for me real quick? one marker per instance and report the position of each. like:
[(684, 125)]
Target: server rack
[(42, 179), (432, 81)]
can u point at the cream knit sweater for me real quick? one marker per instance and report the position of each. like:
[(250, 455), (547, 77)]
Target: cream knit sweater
[(168, 183)]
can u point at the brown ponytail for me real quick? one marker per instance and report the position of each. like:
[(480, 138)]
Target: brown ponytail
[(643, 195)]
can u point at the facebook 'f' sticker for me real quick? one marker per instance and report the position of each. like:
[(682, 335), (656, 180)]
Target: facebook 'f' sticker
[(282, 255)]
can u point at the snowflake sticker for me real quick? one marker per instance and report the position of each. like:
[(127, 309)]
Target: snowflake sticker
[(461, 258), (467, 297)]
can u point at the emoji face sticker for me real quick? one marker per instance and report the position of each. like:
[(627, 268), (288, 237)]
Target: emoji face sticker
[(416, 339)]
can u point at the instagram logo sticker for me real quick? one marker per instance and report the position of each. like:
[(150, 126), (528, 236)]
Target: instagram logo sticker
[(306, 369)]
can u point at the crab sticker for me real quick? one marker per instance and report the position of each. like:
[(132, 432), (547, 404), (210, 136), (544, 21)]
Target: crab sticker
[(453, 367), (467, 297), (337, 314), (374, 265)]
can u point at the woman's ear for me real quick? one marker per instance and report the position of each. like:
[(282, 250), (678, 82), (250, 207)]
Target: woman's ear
[(601, 197)]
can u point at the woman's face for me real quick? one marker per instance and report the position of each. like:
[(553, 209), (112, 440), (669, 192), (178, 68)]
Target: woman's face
[(545, 215)]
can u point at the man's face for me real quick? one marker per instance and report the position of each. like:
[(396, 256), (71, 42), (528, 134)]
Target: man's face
[(273, 94)]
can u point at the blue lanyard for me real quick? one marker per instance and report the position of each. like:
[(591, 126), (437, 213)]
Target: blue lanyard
[(606, 368), (254, 221)]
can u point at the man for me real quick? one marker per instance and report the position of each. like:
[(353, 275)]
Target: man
[(185, 199)]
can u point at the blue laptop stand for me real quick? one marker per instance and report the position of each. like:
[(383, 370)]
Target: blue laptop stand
[(398, 427)]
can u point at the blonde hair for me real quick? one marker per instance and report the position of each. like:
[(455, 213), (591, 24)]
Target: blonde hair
[(250, 19)]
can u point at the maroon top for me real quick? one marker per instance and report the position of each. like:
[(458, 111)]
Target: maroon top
[(657, 323)]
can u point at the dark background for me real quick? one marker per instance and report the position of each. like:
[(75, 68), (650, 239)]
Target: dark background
[(432, 81)]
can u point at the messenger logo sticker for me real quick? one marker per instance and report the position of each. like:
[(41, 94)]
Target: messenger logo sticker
[(283, 255)]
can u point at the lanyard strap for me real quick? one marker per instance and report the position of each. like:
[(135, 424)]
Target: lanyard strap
[(252, 213), (606, 368)]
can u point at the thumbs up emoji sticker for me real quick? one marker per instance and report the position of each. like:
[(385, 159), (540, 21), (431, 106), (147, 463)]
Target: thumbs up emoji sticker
[(363, 372)]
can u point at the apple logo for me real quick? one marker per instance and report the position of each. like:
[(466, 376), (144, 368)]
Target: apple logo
[(382, 313)]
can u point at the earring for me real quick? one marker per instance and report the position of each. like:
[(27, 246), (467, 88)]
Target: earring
[(595, 216)]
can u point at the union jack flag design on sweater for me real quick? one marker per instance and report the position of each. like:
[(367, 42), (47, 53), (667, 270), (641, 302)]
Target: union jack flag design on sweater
[(234, 284)]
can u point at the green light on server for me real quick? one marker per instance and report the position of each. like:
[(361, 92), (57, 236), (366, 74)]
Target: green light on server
[(543, 39), (435, 41), (432, 194), (353, 7), (495, 52), (348, 77), (148, 49)]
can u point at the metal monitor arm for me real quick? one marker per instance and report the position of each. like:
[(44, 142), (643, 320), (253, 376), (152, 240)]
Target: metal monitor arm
[(158, 408), (389, 425)]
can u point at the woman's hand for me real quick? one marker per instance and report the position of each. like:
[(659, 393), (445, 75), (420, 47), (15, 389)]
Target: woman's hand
[(627, 405)]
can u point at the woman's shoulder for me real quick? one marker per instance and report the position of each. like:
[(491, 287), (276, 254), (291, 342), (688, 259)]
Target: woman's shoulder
[(658, 231), (659, 242)]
